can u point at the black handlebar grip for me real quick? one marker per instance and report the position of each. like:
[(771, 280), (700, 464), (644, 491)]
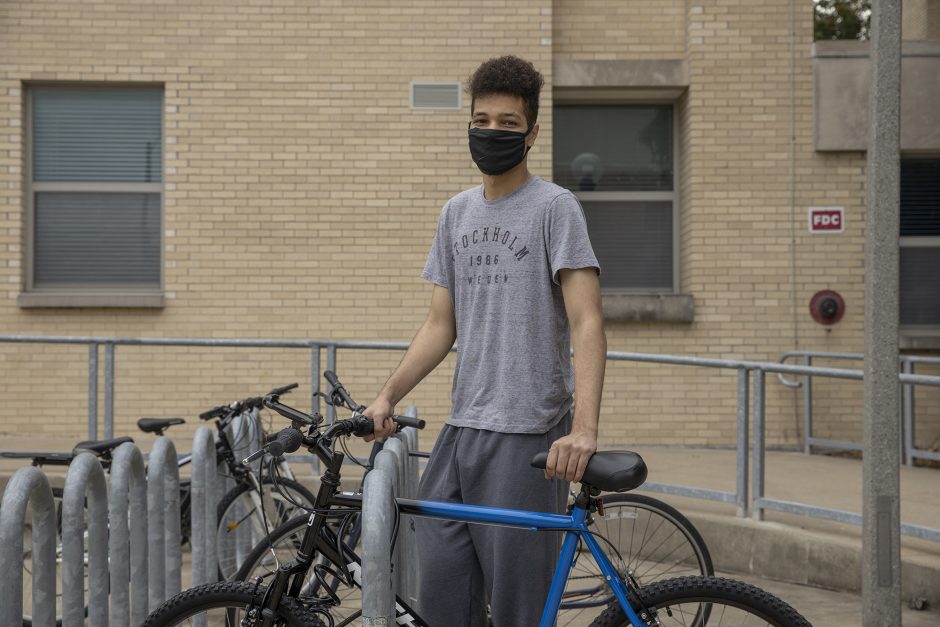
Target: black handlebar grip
[(215, 412), (339, 389), (284, 390), (331, 378), (362, 425), (287, 441), (409, 421)]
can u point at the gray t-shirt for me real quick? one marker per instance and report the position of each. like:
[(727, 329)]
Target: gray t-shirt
[(500, 261)]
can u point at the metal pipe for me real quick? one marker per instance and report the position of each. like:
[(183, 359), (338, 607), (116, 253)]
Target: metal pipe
[(85, 502), (742, 457), (378, 511), (127, 539), (757, 511), (109, 390), (163, 511), (202, 507), (808, 408), (907, 405), (28, 487), (331, 366), (92, 391)]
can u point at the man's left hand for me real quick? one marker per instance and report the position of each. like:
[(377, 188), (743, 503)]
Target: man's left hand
[(569, 456)]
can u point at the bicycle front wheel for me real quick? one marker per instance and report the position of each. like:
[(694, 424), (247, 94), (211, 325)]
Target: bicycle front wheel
[(680, 601), (324, 585), (245, 517), (642, 537), (227, 604)]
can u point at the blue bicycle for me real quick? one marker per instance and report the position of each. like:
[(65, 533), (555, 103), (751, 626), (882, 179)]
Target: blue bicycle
[(287, 597)]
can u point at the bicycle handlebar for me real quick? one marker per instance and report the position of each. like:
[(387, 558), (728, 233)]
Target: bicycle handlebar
[(338, 389), (237, 407)]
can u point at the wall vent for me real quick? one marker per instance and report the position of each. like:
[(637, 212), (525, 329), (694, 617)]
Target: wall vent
[(435, 95)]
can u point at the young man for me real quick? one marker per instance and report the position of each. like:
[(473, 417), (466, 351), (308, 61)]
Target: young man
[(516, 285)]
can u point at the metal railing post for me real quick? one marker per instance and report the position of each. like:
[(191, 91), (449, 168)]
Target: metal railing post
[(109, 390), (163, 512), (85, 502), (907, 407), (202, 508), (807, 406), (27, 487), (757, 510), (378, 515), (127, 539), (393, 463), (93, 391), (742, 441), (331, 366)]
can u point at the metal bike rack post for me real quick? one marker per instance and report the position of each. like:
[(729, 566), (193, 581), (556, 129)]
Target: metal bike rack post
[(127, 543), (28, 486), (742, 443), (203, 499), (85, 499), (378, 518), (757, 484), (163, 512), (246, 437), (397, 448)]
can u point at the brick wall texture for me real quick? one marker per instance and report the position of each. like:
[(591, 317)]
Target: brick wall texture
[(301, 194)]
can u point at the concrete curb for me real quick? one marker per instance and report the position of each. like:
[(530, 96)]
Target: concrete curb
[(785, 553)]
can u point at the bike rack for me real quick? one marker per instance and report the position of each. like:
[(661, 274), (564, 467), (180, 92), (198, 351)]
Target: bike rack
[(127, 539), (378, 517), (163, 512), (204, 496), (85, 491), (385, 572), (28, 486)]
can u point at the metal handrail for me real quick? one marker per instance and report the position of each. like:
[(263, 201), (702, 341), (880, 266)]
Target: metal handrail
[(755, 504), (906, 363)]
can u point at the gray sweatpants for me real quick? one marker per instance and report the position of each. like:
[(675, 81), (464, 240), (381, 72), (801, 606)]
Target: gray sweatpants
[(464, 566)]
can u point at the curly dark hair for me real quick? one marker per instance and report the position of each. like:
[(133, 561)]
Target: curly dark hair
[(508, 75)]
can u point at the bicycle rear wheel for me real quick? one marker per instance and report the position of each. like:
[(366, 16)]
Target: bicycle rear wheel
[(243, 523), (648, 540), (227, 604), (680, 601)]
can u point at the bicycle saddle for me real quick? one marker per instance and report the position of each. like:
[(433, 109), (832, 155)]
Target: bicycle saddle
[(99, 447), (158, 425), (609, 471)]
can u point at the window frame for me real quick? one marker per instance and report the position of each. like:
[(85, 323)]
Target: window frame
[(673, 196), (926, 336), (84, 294)]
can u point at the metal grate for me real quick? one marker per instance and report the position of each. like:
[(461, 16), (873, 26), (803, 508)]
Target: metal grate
[(435, 95)]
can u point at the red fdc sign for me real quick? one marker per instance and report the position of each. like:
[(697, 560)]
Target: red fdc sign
[(826, 219)]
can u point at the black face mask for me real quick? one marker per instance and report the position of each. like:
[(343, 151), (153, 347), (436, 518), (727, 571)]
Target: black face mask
[(497, 151)]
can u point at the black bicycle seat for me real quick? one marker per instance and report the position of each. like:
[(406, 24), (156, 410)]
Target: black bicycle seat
[(99, 447), (158, 425), (609, 471), (40, 458)]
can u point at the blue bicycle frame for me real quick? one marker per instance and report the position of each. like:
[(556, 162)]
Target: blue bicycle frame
[(574, 525)]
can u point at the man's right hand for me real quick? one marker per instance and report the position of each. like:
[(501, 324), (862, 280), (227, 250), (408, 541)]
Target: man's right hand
[(381, 412)]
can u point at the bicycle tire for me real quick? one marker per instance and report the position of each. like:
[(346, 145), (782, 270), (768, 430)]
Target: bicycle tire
[(229, 599), (281, 545), (673, 601), (654, 540), (233, 538)]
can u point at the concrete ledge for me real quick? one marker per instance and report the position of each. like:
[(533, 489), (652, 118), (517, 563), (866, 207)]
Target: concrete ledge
[(655, 73), (137, 299), (795, 555), (648, 307)]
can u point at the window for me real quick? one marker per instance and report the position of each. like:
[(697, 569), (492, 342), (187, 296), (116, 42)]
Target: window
[(94, 187), (619, 161), (920, 243)]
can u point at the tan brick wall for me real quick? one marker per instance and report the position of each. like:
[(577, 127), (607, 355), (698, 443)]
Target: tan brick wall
[(601, 30), (301, 195)]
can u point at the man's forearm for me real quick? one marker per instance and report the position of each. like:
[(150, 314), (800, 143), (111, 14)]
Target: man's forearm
[(590, 360), (428, 349)]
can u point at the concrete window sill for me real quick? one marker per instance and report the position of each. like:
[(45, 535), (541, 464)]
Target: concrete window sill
[(141, 299), (648, 307)]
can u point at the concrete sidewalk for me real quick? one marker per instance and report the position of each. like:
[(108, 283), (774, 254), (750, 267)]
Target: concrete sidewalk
[(813, 564)]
